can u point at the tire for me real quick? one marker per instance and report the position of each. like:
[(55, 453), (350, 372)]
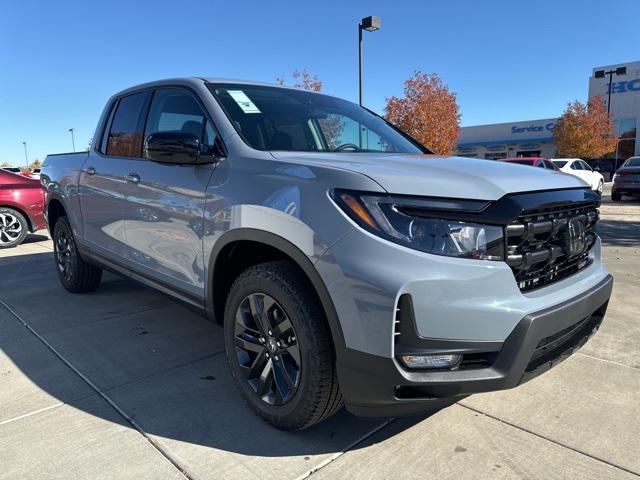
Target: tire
[(14, 228), (600, 187), (616, 197), (76, 275), (259, 354)]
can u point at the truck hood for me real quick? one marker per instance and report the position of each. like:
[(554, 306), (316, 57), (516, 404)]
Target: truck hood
[(439, 176)]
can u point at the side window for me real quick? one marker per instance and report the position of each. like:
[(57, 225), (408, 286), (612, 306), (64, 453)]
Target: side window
[(176, 110), (125, 135), (576, 166), (585, 166), (541, 164)]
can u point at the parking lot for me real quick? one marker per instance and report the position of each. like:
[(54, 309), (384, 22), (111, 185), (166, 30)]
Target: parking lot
[(126, 383)]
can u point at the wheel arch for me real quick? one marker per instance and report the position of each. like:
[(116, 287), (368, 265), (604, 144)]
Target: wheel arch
[(23, 212), (55, 210), (265, 246)]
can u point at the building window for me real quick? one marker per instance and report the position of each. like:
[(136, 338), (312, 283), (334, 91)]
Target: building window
[(626, 129), (495, 155), (529, 153)]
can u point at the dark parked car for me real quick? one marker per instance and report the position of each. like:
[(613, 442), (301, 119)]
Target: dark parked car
[(21, 208), (626, 180)]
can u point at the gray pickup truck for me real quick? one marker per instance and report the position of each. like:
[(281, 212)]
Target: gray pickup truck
[(346, 263)]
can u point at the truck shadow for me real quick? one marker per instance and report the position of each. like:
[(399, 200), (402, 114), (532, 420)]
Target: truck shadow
[(619, 233), (161, 363)]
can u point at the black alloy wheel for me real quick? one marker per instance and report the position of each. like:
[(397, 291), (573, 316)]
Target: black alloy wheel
[(267, 349)]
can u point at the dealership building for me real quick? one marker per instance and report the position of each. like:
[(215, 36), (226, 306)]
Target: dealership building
[(534, 138)]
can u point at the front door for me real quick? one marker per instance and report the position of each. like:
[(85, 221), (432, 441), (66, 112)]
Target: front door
[(165, 203)]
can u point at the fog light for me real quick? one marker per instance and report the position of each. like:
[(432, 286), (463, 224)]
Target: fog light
[(431, 361)]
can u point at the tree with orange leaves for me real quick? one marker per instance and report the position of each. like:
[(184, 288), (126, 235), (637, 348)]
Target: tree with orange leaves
[(585, 130), (428, 112), (303, 80)]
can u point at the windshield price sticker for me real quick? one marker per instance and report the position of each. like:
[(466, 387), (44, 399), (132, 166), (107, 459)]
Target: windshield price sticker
[(243, 101)]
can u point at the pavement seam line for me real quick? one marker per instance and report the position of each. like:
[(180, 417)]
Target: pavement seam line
[(25, 415), (613, 362), (154, 445), (337, 455), (573, 449)]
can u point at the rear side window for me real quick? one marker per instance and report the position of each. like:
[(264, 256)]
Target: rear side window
[(177, 110), (125, 134), (576, 166)]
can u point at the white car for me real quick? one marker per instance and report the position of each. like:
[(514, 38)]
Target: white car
[(580, 168)]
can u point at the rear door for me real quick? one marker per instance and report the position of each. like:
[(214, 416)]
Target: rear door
[(578, 170), (589, 174), (103, 177), (164, 211)]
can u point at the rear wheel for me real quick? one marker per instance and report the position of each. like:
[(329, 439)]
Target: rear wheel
[(76, 275), (616, 197), (13, 228), (279, 347)]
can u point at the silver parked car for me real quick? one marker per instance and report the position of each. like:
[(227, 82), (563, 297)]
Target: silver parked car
[(346, 263)]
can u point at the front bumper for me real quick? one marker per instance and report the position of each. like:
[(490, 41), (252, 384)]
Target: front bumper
[(377, 386)]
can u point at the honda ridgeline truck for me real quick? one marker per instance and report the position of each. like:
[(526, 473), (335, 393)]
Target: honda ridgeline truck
[(345, 262)]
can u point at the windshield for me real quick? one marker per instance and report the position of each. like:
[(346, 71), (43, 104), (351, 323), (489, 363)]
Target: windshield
[(633, 162), (272, 118), (560, 163)]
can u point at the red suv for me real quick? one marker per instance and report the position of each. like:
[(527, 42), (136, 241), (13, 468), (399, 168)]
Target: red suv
[(21, 208)]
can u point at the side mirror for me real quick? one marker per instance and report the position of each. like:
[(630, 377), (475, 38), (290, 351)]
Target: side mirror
[(172, 147)]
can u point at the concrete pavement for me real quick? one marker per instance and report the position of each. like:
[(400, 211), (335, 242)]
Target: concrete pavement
[(125, 383)]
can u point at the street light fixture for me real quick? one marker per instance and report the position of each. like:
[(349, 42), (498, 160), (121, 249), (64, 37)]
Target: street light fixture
[(602, 73), (370, 24), (26, 158), (73, 141)]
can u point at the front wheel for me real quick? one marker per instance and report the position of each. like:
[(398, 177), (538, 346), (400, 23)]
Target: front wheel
[(76, 275), (279, 347), (13, 228)]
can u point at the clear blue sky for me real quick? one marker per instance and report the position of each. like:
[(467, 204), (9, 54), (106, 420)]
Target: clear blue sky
[(507, 60)]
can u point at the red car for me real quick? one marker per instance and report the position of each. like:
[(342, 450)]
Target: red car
[(21, 208), (533, 162)]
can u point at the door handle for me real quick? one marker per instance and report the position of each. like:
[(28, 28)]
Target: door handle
[(133, 178), (90, 171)]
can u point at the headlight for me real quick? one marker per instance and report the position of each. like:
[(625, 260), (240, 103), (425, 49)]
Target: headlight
[(429, 225)]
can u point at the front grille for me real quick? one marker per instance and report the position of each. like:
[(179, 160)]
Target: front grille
[(538, 243)]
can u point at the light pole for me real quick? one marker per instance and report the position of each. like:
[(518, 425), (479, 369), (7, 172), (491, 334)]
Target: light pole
[(73, 141), (370, 24), (26, 158), (601, 74)]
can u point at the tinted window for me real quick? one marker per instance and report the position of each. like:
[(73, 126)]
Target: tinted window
[(549, 165), (176, 110), (633, 162), (585, 165), (270, 118), (560, 163), (541, 165), (576, 166), (125, 135)]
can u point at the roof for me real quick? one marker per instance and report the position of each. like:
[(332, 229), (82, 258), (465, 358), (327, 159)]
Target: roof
[(193, 80)]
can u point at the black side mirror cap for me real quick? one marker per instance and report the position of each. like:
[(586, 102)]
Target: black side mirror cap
[(172, 147)]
